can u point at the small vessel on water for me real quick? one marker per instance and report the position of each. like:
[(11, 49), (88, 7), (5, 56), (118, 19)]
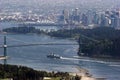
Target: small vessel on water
[(55, 56), (3, 57)]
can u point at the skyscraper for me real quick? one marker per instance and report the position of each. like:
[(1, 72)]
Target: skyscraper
[(84, 20), (66, 14), (104, 21), (76, 15), (96, 19)]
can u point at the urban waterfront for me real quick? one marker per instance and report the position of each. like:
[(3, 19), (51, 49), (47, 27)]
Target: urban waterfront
[(7, 24), (35, 56), (60, 39)]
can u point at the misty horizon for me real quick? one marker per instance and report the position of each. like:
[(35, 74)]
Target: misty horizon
[(48, 5)]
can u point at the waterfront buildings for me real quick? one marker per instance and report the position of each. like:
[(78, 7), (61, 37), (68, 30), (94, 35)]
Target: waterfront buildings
[(73, 18)]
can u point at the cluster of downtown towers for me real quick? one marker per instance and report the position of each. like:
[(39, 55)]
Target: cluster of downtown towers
[(89, 18)]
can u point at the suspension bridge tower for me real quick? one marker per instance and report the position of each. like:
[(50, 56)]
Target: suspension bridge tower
[(5, 50)]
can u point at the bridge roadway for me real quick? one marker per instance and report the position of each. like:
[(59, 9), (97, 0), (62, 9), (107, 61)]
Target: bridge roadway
[(35, 44)]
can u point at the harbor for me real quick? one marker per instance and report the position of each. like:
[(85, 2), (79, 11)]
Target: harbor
[(35, 57)]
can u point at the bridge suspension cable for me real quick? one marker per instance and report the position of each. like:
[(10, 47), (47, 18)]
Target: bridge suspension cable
[(34, 44), (16, 40), (50, 43), (89, 38)]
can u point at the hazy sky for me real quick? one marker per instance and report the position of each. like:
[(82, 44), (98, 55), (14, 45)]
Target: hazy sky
[(58, 4)]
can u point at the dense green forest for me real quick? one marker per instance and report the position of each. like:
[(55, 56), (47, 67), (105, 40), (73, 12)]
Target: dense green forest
[(96, 33), (96, 42), (23, 30), (25, 73)]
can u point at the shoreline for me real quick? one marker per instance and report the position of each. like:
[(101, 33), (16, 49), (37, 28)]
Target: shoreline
[(84, 74), (99, 58)]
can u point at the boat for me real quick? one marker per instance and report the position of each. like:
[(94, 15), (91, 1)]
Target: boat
[(55, 56), (3, 57)]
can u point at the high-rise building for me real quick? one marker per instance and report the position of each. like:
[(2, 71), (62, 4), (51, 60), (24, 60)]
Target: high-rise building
[(105, 21), (112, 23), (76, 15), (96, 19), (61, 19), (90, 17), (84, 20), (66, 14), (115, 22), (76, 12)]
